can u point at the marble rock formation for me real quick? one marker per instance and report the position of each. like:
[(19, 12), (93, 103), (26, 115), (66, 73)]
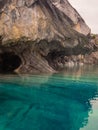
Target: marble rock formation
[(36, 34)]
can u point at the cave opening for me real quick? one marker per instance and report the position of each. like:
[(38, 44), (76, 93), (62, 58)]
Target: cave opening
[(9, 61)]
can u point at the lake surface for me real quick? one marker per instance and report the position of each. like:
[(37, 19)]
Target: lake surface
[(65, 101)]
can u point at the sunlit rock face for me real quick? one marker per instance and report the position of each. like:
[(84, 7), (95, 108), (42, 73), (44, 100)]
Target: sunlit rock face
[(40, 31), (39, 19), (75, 19)]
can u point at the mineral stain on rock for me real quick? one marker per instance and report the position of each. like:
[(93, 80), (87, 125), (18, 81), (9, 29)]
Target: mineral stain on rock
[(41, 36)]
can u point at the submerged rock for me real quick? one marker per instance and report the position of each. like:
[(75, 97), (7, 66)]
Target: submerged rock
[(34, 33)]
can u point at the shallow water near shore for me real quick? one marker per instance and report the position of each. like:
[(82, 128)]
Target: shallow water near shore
[(64, 101)]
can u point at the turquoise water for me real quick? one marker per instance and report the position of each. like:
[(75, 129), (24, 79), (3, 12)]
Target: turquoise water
[(65, 101)]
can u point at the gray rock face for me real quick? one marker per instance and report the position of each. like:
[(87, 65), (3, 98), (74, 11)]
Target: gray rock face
[(75, 19), (39, 19), (38, 32)]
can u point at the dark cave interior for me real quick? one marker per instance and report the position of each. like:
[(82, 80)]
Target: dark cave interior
[(9, 61)]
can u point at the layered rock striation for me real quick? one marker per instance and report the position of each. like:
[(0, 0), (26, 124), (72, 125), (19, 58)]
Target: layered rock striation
[(41, 35)]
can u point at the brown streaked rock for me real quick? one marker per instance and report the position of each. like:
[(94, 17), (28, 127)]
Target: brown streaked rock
[(39, 32)]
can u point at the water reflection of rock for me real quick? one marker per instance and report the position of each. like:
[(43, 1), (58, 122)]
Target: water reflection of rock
[(77, 72), (25, 79), (76, 96), (55, 102)]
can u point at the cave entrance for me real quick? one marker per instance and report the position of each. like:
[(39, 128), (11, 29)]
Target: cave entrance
[(9, 62)]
